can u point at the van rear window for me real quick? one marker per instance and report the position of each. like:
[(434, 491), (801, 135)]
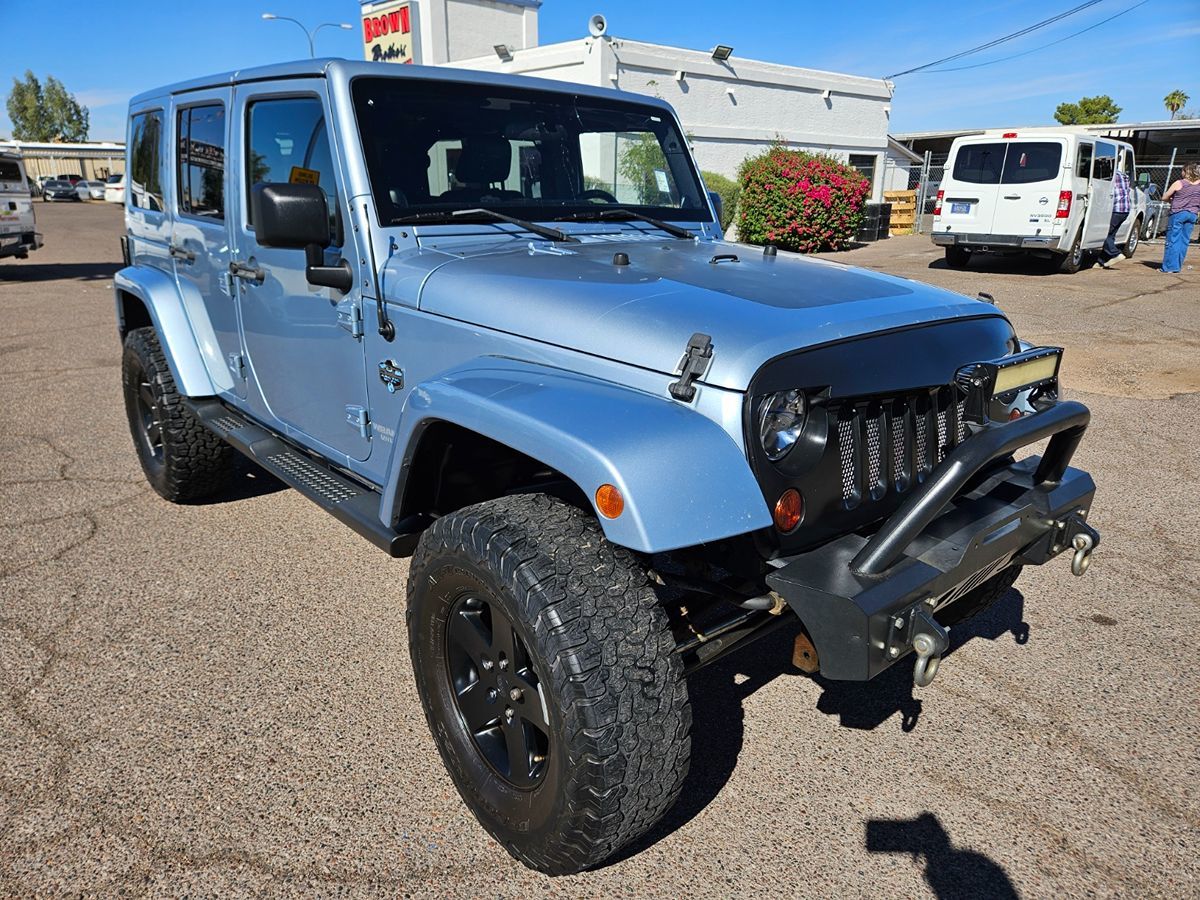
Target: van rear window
[(1008, 162), (10, 171)]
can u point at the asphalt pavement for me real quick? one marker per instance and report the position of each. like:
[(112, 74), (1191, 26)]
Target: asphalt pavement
[(216, 700)]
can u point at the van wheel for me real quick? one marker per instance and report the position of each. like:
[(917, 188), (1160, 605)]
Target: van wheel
[(957, 257), (1131, 244), (181, 458), (1072, 262), (547, 671)]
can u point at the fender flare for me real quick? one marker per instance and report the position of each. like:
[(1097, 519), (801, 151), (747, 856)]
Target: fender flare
[(684, 479), (160, 295)]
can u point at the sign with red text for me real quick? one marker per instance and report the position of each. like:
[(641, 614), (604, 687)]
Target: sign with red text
[(388, 33)]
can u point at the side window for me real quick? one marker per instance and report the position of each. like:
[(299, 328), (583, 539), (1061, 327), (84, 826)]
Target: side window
[(1083, 162), (200, 161), (289, 143), (1106, 161), (145, 162)]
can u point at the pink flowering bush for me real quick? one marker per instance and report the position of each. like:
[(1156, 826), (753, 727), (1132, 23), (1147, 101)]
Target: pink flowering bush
[(799, 201)]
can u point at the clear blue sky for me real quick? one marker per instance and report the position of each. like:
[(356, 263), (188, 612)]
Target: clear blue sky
[(1137, 58)]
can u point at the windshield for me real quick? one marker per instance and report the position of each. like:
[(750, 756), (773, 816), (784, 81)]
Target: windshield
[(1015, 162), (440, 147)]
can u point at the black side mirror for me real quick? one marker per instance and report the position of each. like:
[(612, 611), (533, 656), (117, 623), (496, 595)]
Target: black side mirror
[(296, 216), (718, 205)]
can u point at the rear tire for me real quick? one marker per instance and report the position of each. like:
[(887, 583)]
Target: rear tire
[(1131, 243), (181, 458), (1072, 262), (957, 257), (594, 744)]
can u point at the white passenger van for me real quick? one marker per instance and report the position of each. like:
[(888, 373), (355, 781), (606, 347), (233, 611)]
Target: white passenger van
[(1043, 191), (18, 230)]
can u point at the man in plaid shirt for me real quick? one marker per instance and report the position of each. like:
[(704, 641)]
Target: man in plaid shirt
[(1122, 202)]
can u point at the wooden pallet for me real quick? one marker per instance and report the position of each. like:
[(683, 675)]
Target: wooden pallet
[(904, 211)]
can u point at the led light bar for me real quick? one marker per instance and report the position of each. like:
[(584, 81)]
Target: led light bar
[(1010, 375)]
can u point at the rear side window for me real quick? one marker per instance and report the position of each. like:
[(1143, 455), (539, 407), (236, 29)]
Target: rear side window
[(289, 143), (1008, 162), (1106, 161), (145, 162), (200, 163), (1083, 161)]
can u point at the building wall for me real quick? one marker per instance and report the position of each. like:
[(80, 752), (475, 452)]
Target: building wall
[(730, 110), (473, 27), (95, 162)]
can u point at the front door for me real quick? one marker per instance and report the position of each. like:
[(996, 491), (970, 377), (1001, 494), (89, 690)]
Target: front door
[(199, 242), (1099, 211), (306, 361)]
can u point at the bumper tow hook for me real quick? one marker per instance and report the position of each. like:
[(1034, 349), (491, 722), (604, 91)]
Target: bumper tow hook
[(929, 642), (1083, 544)]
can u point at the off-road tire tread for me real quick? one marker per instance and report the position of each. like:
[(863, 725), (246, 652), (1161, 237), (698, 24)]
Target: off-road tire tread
[(196, 463), (618, 683)]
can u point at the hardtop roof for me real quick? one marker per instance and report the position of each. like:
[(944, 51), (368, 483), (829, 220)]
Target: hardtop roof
[(348, 69)]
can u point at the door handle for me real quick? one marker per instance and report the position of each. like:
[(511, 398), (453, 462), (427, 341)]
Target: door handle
[(1012, 196), (247, 272), (177, 252)]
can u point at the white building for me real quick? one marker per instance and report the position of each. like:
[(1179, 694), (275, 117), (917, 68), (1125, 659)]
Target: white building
[(730, 108)]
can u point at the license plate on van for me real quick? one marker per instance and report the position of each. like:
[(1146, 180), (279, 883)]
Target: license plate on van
[(960, 208)]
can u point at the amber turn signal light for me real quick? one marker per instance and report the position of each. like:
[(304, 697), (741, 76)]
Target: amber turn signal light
[(789, 510), (609, 501)]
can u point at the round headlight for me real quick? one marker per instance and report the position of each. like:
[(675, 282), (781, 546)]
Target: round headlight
[(780, 421)]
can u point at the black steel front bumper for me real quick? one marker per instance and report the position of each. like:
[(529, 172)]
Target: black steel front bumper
[(865, 599)]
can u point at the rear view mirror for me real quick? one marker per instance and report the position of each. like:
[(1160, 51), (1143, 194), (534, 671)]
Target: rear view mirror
[(296, 216)]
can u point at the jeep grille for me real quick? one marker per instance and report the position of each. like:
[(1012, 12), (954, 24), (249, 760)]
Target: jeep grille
[(884, 444)]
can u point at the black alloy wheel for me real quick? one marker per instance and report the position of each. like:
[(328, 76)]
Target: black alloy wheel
[(497, 691), (149, 418)]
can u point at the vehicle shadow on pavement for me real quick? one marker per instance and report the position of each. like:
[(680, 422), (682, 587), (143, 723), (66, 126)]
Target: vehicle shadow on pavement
[(866, 705), (82, 271), (248, 481), (1004, 265), (951, 872)]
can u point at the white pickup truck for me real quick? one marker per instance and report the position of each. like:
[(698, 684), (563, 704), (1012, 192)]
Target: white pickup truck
[(1042, 191), (18, 229)]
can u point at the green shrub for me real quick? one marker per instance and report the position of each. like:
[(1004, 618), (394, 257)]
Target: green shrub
[(799, 201), (728, 189)]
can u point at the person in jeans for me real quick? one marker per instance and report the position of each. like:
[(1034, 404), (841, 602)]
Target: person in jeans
[(1122, 202), (1185, 206)]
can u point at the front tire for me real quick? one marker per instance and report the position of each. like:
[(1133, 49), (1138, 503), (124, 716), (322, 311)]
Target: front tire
[(181, 458), (547, 671)]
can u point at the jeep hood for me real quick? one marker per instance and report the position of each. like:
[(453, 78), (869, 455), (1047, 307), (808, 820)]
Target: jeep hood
[(643, 313)]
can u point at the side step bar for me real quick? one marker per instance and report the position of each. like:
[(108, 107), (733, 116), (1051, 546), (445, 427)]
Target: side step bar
[(352, 503)]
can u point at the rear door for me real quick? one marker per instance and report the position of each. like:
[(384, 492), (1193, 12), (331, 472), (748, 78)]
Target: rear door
[(1029, 184), (973, 187), (200, 230), (1099, 200)]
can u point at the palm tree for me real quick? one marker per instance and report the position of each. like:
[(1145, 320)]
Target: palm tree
[(1175, 101)]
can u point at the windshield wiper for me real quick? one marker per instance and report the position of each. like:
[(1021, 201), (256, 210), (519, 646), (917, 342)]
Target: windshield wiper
[(625, 213), (550, 234)]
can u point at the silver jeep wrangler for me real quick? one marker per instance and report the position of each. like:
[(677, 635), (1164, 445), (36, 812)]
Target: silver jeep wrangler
[(491, 323)]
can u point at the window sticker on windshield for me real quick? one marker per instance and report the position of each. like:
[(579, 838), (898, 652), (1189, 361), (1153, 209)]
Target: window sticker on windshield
[(661, 178), (301, 175)]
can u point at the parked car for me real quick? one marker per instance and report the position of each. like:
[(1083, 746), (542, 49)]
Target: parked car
[(59, 190), (114, 189), (90, 190), (1041, 191), (18, 224), (615, 446)]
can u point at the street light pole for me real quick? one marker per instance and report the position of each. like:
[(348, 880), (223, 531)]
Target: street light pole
[(311, 35)]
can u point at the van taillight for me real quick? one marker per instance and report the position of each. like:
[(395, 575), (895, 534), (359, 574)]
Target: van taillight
[(937, 207), (1064, 205)]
